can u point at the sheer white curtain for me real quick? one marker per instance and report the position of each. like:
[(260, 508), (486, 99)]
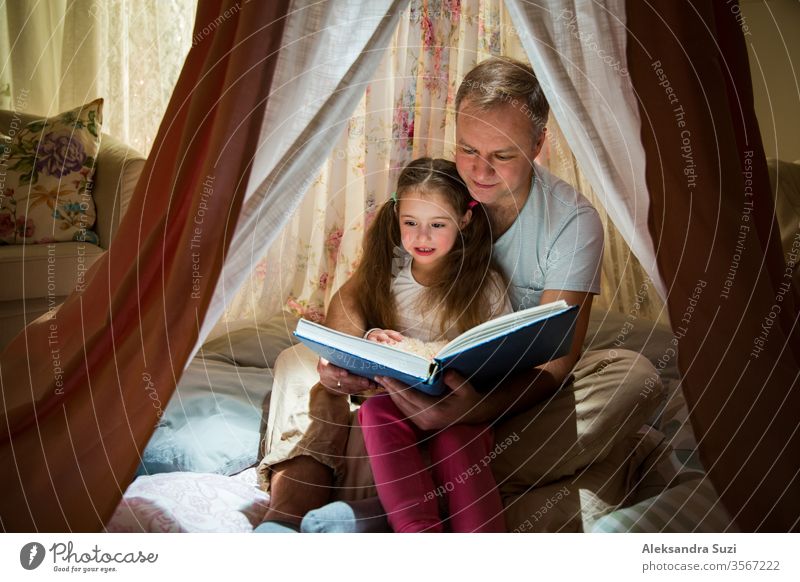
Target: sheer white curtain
[(406, 111), (577, 48), (57, 55), (329, 54)]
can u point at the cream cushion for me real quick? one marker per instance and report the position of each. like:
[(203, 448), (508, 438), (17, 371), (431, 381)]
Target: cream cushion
[(49, 270)]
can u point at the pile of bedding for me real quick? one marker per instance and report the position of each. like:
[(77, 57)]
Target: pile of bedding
[(197, 475)]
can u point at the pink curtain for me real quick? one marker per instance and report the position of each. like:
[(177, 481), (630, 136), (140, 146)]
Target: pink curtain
[(732, 304), (83, 388)]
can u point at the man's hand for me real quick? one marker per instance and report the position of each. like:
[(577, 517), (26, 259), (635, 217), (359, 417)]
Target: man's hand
[(461, 405), (339, 381)]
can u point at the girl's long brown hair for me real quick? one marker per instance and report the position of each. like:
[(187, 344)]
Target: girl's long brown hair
[(460, 294)]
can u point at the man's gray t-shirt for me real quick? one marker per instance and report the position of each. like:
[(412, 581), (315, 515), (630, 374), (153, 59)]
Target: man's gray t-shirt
[(556, 242)]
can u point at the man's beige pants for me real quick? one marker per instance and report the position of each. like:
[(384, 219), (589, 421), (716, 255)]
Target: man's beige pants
[(613, 394)]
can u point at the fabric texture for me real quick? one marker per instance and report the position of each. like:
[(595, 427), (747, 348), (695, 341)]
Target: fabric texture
[(146, 306), (573, 503), (47, 194), (415, 320), (410, 491), (303, 421), (785, 180), (732, 302), (190, 502), (322, 69), (556, 242), (406, 111), (254, 347), (212, 423), (46, 269), (692, 507), (577, 49), (365, 516), (614, 393)]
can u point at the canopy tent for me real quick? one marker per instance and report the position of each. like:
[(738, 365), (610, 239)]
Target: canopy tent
[(235, 140)]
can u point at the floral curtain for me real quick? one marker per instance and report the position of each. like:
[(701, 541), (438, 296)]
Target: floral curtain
[(407, 112), (59, 55)]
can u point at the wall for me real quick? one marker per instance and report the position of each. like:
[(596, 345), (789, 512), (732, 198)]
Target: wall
[(772, 33)]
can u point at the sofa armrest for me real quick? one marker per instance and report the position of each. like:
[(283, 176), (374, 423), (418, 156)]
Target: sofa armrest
[(116, 172)]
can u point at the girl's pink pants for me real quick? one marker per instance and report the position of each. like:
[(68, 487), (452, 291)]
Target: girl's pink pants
[(459, 472)]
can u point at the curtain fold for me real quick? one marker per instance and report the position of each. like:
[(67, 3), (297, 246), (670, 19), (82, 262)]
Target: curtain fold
[(732, 303), (406, 111), (577, 48), (84, 386), (329, 56)]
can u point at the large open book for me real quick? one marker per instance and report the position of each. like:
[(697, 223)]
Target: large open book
[(485, 354)]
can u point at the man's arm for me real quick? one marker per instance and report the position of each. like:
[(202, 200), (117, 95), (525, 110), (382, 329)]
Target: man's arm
[(344, 314), (465, 404)]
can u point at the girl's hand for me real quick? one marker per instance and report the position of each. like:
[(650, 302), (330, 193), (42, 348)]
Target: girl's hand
[(385, 336)]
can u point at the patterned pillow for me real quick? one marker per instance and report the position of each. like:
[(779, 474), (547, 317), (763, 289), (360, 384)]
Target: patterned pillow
[(47, 195)]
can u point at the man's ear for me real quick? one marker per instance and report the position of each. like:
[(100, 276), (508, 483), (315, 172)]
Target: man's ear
[(537, 146), (465, 219)]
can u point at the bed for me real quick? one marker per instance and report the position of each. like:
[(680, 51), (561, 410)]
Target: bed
[(197, 473)]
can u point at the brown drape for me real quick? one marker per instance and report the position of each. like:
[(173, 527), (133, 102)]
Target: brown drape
[(732, 305), (83, 388)]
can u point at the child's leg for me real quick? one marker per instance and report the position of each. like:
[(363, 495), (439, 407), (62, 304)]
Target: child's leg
[(405, 487), (474, 503)]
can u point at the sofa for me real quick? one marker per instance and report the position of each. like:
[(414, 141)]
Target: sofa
[(36, 277)]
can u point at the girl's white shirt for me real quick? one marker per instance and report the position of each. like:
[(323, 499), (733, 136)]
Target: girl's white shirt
[(421, 322)]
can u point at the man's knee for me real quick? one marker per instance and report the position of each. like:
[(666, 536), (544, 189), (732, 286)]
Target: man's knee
[(614, 393), (619, 375)]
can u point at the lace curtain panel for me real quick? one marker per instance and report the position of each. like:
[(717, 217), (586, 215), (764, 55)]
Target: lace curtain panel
[(57, 55), (407, 112)]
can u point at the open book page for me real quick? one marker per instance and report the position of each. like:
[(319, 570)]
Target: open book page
[(500, 326), (384, 354), (427, 350)]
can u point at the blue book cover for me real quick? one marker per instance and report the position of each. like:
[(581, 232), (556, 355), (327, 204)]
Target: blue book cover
[(487, 354)]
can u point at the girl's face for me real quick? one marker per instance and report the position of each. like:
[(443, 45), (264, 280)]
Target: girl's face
[(429, 226)]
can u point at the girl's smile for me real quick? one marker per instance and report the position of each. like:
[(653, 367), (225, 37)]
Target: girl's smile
[(429, 228)]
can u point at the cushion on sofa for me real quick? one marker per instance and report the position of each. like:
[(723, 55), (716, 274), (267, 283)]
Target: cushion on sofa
[(51, 270), (47, 195)]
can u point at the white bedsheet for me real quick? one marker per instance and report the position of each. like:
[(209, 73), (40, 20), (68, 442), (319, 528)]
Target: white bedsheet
[(191, 502)]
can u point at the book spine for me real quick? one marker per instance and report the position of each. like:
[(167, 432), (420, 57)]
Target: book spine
[(433, 372)]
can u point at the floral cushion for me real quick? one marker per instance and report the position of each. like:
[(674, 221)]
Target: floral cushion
[(47, 194)]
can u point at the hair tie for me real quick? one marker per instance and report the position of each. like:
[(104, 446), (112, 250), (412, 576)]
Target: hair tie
[(472, 204), (393, 197)]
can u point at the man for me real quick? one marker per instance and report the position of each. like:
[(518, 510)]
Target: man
[(549, 241)]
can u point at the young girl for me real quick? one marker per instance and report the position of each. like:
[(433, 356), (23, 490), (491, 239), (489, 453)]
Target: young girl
[(446, 284)]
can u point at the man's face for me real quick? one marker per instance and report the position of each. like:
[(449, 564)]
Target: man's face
[(495, 150)]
